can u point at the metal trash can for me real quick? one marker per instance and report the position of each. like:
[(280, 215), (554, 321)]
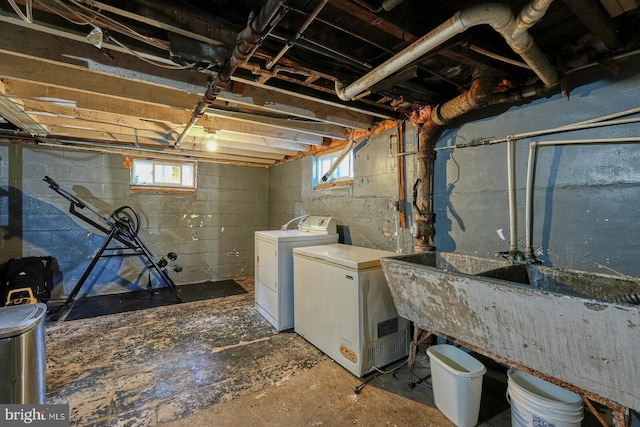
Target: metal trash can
[(22, 354)]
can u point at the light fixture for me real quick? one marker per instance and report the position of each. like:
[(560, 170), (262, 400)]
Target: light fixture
[(95, 37), (211, 140)]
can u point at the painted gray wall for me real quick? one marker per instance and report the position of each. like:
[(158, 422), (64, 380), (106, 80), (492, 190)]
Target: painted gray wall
[(587, 200), (211, 231)]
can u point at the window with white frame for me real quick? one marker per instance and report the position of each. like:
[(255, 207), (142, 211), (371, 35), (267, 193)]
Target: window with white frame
[(162, 174), (342, 174)]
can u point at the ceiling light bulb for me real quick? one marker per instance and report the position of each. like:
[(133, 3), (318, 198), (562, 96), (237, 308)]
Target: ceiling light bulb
[(212, 145)]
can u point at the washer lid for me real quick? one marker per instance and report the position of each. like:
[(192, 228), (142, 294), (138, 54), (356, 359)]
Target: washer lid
[(276, 236), (18, 319), (354, 257)]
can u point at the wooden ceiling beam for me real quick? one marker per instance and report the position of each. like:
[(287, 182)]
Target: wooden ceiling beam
[(38, 45), (63, 101), (77, 81), (128, 141)]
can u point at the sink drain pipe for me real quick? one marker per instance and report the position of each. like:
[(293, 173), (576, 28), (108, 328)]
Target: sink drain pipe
[(424, 215)]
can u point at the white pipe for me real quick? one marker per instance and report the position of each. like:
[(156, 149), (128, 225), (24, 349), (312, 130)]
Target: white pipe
[(497, 15), (501, 58), (587, 124), (528, 204), (513, 201), (531, 14), (338, 160), (298, 218), (531, 170), (623, 140)]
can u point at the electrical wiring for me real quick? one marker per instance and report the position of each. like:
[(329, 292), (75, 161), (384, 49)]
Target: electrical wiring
[(125, 29), (422, 381), (89, 20), (357, 389), (28, 6), (393, 370), (85, 22), (157, 64)]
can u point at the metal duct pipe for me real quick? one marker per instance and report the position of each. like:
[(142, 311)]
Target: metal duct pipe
[(292, 41), (247, 42), (497, 15)]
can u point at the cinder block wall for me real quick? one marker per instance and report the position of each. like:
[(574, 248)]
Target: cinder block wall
[(211, 231), (365, 212)]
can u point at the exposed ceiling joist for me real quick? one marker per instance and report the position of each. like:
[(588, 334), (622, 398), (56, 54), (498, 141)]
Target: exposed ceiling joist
[(156, 59)]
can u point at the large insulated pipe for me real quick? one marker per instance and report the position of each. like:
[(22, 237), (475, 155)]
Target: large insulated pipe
[(497, 15), (247, 42)]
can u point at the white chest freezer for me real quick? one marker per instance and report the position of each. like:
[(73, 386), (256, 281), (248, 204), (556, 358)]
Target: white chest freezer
[(274, 266), (343, 306)]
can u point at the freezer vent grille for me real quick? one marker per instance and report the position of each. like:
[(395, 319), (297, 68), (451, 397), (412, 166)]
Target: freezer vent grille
[(387, 348)]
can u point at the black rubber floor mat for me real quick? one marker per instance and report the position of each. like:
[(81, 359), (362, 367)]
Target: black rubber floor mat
[(102, 305)]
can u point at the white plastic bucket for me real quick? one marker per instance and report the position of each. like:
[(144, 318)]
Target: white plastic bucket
[(456, 378), (539, 403)]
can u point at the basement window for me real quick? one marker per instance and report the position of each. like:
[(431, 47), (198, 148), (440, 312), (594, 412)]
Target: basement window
[(160, 175), (342, 175)]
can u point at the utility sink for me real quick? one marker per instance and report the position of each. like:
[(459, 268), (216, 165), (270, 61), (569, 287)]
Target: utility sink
[(565, 324), (596, 286)]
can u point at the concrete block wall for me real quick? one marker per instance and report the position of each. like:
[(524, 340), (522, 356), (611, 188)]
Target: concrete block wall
[(211, 231), (365, 211)]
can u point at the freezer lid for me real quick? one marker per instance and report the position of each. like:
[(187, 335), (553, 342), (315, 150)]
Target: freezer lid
[(17, 319), (294, 235), (354, 257)]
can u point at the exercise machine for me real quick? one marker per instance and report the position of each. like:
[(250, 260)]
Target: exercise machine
[(122, 240)]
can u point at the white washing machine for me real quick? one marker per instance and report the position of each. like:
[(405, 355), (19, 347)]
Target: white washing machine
[(344, 307), (274, 265)]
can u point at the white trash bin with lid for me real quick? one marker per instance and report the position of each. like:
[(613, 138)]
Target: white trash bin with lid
[(22, 354), (456, 378)]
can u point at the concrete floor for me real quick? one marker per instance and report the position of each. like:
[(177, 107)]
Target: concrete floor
[(217, 363)]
